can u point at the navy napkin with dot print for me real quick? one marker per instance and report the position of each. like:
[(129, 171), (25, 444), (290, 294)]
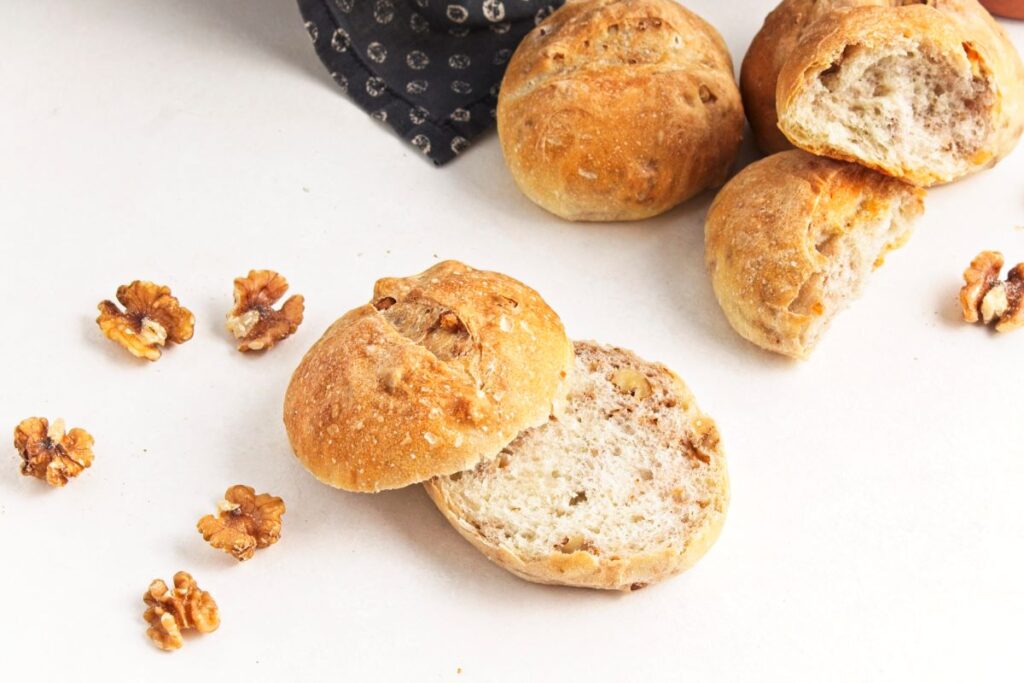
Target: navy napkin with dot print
[(430, 69)]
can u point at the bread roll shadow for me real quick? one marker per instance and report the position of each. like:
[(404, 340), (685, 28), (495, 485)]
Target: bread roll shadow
[(488, 189), (677, 252), (408, 516)]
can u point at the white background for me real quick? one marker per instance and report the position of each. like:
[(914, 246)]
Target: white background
[(877, 520)]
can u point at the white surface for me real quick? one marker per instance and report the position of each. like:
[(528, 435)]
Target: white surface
[(877, 519)]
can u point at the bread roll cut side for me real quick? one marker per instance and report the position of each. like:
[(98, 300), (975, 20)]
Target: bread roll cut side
[(626, 487), (791, 240), (771, 47), (440, 370), (901, 90), (759, 73)]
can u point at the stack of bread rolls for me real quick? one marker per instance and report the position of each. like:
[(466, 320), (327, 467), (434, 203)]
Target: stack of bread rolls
[(575, 464), (622, 109), (921, 93)]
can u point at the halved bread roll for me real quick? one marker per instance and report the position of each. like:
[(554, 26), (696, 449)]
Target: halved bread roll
[(790, 240), (923, 92), (440, 370), (782, 31), (626, 487)]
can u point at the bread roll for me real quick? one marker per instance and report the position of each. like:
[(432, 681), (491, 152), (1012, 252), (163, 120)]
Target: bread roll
[(774, 43), (619, 110), (438, 372), (626, 488), (923, 92), (791, 239)]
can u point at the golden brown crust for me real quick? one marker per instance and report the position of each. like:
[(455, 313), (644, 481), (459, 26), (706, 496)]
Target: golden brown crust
[(955, 26), (622, 572), (615, 110), (761, 248), (440, 371)]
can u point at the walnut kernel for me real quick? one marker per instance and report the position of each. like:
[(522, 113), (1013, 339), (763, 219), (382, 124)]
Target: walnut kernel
[(632, 382), (51, 454), (246, 521), (151, 319), (170, 612), (986, 298), (254, 321)]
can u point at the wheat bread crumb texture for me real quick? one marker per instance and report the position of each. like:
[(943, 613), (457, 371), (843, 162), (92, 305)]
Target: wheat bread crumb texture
[(626, 487), (438, 371), (614, 110), (773, 44), (791, 239), (923, 92)]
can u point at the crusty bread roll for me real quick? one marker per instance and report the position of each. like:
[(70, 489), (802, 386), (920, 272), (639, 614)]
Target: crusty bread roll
[(923, 92), (439, 371), (627, 487), (774, 43), (790, 240), (619, 110)]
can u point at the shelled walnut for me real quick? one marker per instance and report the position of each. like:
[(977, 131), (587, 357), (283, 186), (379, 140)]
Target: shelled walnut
[(170, 612), (246, 521), (986, 298), (151, 319), (632, 382), (254, 321), (51, 454)]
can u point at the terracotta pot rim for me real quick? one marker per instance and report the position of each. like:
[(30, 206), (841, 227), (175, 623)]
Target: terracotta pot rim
[(1009, 9)]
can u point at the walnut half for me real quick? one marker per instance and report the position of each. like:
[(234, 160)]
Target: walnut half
[(632, 382), (151, 318), (171, 612), (986, 298), (254, 321), (246, 521), (51, 454)]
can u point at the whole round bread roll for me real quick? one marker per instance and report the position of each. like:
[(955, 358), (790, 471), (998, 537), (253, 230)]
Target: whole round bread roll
[(925, 92), (440, 371), (790, 240), (626, 487), (619, 110)]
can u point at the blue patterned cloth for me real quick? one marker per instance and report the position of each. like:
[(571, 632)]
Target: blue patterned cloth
[(430, 69)]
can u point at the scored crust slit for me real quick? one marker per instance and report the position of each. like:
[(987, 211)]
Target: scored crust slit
[(438, 371), (627, 486), (791, 240), (916, 92)]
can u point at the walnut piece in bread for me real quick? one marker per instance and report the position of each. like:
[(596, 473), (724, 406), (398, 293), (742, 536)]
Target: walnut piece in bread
[(925, 92), (790, 240), (624, 489), (440, 371), (619, 110)]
